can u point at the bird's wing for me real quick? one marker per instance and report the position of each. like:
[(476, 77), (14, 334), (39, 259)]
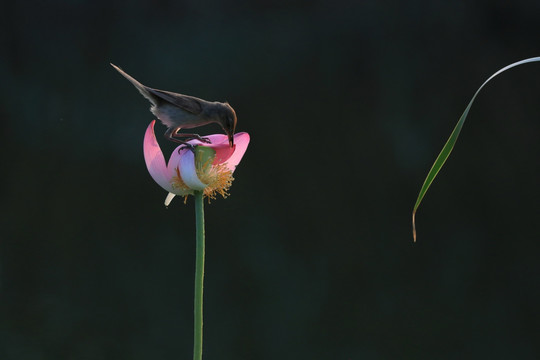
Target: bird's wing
[(187, 103)]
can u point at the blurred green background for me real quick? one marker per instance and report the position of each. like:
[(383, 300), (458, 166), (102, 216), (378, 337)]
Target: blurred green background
[(311, 257)]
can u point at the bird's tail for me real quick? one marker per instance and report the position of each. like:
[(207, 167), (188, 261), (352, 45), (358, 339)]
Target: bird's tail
[(142, 89)]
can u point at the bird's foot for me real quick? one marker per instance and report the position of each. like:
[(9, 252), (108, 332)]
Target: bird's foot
[(187, 146)]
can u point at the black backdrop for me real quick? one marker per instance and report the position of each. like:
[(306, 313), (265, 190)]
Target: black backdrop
[(311, 257)]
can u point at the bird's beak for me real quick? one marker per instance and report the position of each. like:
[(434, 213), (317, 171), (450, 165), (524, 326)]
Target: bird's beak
[(231, 140)]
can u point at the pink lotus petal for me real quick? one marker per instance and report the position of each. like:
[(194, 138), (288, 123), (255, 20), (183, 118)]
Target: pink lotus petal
[(175, 159), (155, 161), (218, 142), (241, 142), (224, 153)]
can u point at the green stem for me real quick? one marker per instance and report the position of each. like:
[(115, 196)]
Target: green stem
[(199, 276)]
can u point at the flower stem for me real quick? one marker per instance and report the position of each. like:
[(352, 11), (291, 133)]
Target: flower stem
[(199, 276)]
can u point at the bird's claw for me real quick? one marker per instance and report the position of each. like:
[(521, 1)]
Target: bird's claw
[(191, 146), (187, 146)]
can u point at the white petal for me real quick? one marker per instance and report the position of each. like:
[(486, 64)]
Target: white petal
[(186, 166), (169, 198)]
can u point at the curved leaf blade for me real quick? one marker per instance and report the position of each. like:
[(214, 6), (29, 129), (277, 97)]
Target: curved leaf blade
[(449, 146)]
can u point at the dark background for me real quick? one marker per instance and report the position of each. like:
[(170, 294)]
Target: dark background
[(311, 257)]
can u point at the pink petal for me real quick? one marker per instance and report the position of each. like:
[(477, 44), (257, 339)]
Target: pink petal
[(155, 161), (218, 142), (241, 142), (224, 153), (174, 161)]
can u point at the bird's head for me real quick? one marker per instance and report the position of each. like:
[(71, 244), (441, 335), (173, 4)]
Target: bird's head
[(227, 120)]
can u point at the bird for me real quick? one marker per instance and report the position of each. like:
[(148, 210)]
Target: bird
[(178, 111)]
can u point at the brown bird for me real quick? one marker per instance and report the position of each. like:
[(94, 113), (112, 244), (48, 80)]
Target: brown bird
[(177, 111)]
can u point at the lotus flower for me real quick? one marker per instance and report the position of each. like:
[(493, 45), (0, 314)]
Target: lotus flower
[(209, 168)]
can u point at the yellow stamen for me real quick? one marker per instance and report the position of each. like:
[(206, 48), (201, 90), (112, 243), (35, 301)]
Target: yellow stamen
[(218, 178)]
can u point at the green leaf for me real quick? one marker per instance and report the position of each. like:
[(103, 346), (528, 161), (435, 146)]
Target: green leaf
[(449, 146)]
